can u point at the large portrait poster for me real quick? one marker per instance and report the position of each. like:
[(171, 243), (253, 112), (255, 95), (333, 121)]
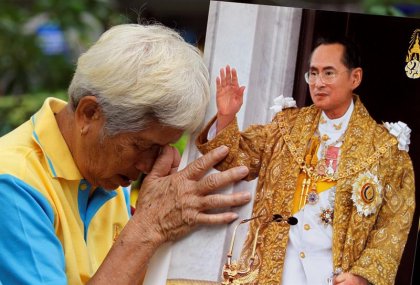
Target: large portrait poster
[(270, 47)]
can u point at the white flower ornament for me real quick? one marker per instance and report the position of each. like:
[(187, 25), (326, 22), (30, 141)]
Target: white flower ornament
[(282, 102), (402, 132)]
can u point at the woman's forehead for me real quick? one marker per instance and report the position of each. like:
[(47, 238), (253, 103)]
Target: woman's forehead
[(157, 134)]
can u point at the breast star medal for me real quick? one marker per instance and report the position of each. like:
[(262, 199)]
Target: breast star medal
[(313, 196), (367, 193), (326, 216)]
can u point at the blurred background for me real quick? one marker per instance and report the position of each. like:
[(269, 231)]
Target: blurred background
[(40, 40)]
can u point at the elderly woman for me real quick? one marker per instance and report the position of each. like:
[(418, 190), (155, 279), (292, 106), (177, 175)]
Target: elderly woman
[(65, 218)]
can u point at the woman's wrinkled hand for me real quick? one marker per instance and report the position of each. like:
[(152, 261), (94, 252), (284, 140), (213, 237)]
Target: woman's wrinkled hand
[(173, 203)]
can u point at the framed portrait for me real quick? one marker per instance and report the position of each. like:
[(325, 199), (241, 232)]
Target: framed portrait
[(270, 47)]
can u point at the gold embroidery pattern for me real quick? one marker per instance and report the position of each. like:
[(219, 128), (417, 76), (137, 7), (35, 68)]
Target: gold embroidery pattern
[(297, 154), (275, 152)]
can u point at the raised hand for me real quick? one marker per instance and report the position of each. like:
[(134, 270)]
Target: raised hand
[(229, 96)]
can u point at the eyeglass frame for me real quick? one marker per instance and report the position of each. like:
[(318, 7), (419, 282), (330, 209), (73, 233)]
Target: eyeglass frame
[(321, 75)]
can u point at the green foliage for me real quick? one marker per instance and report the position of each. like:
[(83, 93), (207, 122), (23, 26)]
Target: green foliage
[(386, 7), (182, 143), (24, 68), (14, 110), (385, 10)]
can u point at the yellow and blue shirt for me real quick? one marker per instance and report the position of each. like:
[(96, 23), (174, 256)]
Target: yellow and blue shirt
[(52, 230)]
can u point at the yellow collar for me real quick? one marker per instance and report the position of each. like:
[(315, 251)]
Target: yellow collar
[(47, 135)]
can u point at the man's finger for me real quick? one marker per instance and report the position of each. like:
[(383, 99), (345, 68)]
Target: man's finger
[(221, 179), (222, 77), (235, 77), (164, 163), (198, 168), (241, 90), (218, 84), (228, 75)]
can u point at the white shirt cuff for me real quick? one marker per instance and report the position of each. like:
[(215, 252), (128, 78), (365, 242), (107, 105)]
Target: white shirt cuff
[(212, 131)]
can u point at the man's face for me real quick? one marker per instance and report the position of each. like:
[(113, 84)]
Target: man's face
[(332, 97), (118, 160)]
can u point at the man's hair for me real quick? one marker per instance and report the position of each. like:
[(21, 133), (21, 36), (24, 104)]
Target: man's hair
[(143, 73), (351, 54)]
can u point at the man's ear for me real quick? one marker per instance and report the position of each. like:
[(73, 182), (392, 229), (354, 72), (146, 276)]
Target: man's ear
[(356, 74), (88, 112)]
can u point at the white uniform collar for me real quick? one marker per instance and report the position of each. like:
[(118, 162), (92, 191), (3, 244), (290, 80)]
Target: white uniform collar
[(334, 128)]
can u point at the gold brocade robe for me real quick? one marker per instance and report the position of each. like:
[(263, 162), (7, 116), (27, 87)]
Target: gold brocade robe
[(367, 245)]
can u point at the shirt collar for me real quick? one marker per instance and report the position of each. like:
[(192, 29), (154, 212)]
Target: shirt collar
[(48, 136), (345, 118), (343, 121)]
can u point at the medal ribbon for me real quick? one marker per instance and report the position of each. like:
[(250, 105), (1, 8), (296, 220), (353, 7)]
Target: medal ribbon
[(304, 184)]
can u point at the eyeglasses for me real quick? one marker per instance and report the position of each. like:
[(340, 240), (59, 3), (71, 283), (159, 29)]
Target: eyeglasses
[(232, 274), (326, 76)]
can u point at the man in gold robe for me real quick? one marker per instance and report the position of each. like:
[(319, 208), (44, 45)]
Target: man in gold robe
[(347, 180)]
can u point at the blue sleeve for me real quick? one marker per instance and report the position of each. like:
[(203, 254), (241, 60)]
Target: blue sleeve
[(126, 191), (30, 252)]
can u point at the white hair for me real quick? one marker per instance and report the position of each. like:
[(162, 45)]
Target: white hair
[(143, 73)]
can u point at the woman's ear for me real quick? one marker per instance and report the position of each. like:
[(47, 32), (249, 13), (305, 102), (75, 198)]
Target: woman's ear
[(88, 113)]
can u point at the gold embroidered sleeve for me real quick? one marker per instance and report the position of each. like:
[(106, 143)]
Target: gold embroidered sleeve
[(244, 148), (379, 260)]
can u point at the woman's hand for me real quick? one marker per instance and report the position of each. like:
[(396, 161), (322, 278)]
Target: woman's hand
[(229, 97), (172, 204)]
